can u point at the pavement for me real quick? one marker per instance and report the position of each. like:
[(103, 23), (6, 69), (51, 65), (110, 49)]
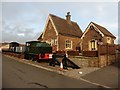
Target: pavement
[(106, 77)]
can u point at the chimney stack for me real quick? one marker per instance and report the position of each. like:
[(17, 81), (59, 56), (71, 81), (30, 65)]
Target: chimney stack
[(68, 16)]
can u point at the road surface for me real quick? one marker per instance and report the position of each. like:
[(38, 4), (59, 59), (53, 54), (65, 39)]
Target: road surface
[(108, 76), (20, 75)]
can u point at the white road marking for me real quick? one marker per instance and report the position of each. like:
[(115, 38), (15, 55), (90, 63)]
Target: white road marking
[(94, 83)]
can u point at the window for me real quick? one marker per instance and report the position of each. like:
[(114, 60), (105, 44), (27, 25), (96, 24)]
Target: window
[(68, 44), (53, 41), (28, 44), (108, 40), (93, 45)]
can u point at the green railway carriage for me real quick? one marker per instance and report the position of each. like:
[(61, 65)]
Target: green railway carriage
[(37, 50)]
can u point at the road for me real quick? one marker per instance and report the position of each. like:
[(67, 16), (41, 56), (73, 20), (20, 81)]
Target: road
[(20, 75), (108, 76)]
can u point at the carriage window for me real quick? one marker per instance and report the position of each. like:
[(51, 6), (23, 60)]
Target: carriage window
[(38, 44), (28, 44)]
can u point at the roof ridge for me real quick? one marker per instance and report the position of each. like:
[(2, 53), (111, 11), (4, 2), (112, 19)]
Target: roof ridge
[(61, 18), (55, 16), (62, 26), (97, 25)]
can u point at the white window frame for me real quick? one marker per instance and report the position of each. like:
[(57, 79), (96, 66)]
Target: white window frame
[(68, 43), (53, 42), (93, 45), (108, 40)]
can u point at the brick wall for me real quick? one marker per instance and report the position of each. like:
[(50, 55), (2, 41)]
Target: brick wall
[(85, 61), (62, 39), (92, 34), (88, 37), (49, 33)]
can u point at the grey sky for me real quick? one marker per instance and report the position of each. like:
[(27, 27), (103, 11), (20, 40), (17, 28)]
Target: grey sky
[(24, 21)]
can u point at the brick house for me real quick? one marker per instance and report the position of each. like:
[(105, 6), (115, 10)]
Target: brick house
[(62, 34), (94, 35)]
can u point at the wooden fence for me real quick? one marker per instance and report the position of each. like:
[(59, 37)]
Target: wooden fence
[(106, 55), (90, 53)]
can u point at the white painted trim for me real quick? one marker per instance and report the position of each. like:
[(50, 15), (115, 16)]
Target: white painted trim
[(89, 45), (87, 29), (57, 43), (49, 18), (109, 41), (45, 27), (98, 30), (71, 44), (53, 25)]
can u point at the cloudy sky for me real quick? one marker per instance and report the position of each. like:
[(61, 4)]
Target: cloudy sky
[(23, 21)]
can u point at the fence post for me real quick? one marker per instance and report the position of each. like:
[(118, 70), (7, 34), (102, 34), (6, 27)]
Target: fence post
[(115, 53), (98, 55), (107, 47)]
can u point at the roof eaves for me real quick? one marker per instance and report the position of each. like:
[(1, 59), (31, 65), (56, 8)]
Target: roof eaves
[(69, 35), (105, 29), (50, 17)]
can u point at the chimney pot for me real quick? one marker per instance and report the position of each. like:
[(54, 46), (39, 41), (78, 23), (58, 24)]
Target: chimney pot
[(68, 17)]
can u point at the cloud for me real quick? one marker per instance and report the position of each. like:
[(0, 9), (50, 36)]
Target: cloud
[(112, 27), (22, 21), (25, 21), (18, 33), (21, 34)]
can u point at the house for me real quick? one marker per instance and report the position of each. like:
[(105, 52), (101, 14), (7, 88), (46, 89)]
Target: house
[(62, 34), (94, 35)]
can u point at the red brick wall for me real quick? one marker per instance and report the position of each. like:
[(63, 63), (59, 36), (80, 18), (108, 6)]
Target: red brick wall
[(62, 39), (49, 33), (88, 37)]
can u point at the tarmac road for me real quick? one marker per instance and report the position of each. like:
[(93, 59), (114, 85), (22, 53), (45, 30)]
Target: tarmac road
[(108, 76), (20, 75)]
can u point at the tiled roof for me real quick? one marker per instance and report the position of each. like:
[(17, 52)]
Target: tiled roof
[(104, 30), (40, 37), (65, 28)]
